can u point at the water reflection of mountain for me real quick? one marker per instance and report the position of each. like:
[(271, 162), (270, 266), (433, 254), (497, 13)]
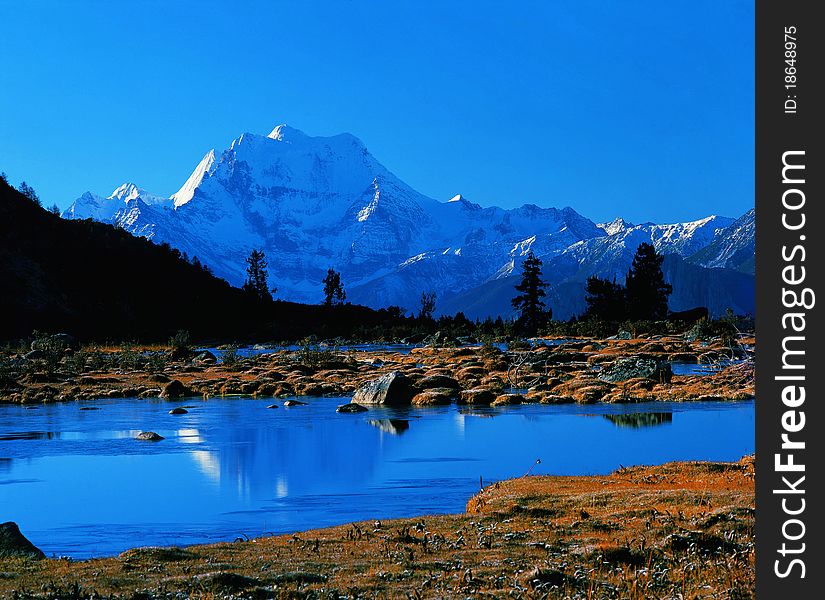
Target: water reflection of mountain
[(291, 458), (642, 419), (393, 426)]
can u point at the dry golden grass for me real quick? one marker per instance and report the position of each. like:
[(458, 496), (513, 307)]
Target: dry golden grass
[(680, 530)]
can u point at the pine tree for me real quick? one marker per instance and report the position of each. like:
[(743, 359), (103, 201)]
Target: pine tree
[(427, 305), (647, 291), (333, 288), (28, 192), (256, 275), (529, 304), (606, 300)]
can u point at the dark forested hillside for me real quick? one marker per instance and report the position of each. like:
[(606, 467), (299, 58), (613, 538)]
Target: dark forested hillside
[(101, 283)]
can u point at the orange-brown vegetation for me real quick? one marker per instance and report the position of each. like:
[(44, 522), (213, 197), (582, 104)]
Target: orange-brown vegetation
[(680, 530), (570, 372)]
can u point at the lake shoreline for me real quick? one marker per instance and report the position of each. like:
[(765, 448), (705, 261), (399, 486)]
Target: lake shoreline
[(679, 527), (580, 371)]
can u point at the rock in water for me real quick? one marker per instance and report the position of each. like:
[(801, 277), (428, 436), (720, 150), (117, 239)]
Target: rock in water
[(294, 403), (175, 389), (393, 388), (149, 436), (352, 407), (14, 543), (477, 395), (434, 397), (178, 411)]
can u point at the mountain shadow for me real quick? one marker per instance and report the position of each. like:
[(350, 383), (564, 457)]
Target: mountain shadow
[(101, 283)]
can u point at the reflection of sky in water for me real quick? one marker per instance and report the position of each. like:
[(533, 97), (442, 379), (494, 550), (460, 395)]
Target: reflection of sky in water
[(79, 484), (696, 368)]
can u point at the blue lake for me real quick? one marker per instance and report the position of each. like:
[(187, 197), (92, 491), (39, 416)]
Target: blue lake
[(79, 485)]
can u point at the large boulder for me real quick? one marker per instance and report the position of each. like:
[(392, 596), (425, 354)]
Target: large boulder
[(394, 388), (175, 389), (14, 543), (633, 367)]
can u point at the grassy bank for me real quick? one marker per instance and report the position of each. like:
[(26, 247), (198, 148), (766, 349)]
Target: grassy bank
[(677, 530)]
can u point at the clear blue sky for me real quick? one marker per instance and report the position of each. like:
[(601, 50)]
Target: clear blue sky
[(643, 109)]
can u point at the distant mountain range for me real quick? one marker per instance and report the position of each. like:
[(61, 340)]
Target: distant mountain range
[(317, 202)]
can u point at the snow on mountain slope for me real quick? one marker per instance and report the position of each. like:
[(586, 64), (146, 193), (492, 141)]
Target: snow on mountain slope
[(92, 206), (733, 248), (610, 256), (317, 202)]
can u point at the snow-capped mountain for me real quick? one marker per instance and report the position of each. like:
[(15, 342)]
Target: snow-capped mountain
[(317, 202), (610, 255), (733, 248), (92, 206)]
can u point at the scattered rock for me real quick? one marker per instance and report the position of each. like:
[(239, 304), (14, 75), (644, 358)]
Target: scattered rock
[(631, 367), (394, 388), (175, 389), (352, 407), (476, 396), (547, 398), (178, 411), (206, 357), (434, 397), (149, 436), (14, 543), (294, 403), (437, 381), (272, 406), (507, 399)]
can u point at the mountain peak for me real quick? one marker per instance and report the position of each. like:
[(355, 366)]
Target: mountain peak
[(615, 226), (285, 133), (126, 192), (457, 198), (187, 191)]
